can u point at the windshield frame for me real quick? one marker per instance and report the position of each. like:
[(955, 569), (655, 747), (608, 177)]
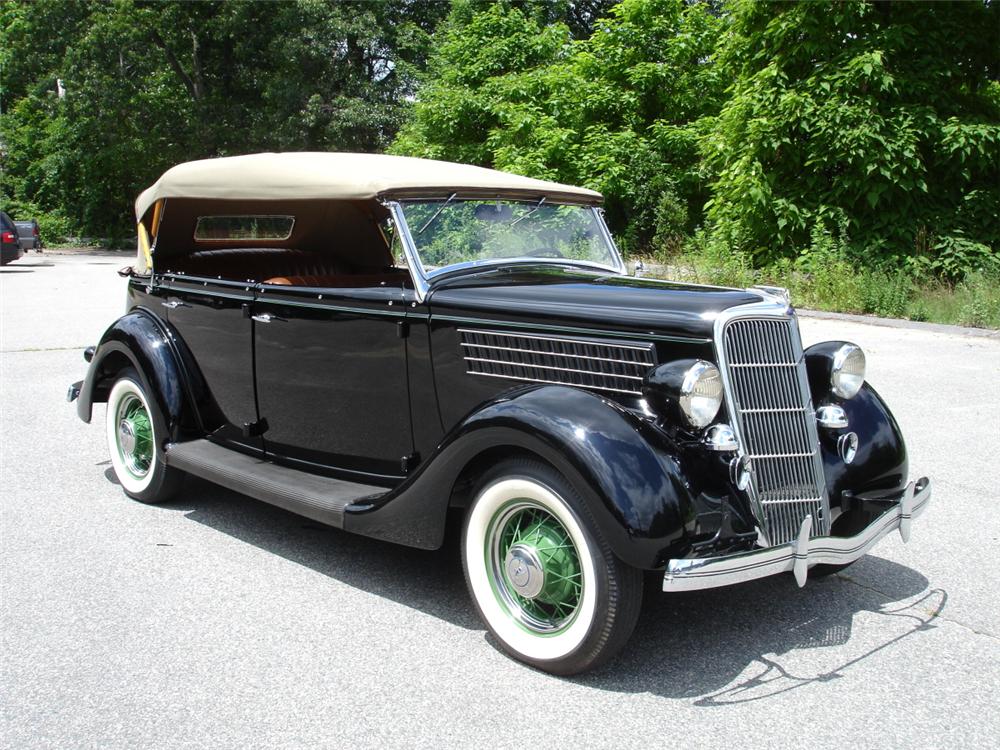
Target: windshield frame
[(423, 279)]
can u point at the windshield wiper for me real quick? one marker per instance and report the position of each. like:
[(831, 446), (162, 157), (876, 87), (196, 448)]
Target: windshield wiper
[(437, 213), (522, 218)]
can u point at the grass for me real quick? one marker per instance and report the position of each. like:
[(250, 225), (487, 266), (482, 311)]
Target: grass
[(822, 278)]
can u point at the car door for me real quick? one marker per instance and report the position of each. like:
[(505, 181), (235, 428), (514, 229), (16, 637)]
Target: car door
[(211, 316), (331, 378)]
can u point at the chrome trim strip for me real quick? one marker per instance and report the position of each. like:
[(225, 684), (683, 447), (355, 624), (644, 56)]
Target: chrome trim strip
[(596, 342), (556, 382), (548, 367), (417, 274), (551, 354), (801, 554), (596, 333)]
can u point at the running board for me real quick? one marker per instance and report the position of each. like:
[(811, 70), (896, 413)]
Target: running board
[(320, 498)]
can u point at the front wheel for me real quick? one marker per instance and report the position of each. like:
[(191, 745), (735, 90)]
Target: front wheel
[(544, 581), (135, 430)]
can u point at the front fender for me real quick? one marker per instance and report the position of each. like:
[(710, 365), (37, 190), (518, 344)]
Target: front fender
[(880, 466), (630, 478), (140, 340)]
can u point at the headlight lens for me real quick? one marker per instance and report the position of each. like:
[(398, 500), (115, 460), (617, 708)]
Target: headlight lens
[(848, 372), (701, 393)]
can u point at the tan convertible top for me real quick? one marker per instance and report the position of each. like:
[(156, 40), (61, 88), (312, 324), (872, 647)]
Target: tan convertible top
[(341, 176)]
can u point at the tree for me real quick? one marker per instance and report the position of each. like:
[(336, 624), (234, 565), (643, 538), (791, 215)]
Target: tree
[(879, 118), (150, 84), (617, 112)]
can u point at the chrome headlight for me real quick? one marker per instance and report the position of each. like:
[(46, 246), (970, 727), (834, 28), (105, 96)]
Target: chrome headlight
[(847, 373), (701, 393), (685, 390)]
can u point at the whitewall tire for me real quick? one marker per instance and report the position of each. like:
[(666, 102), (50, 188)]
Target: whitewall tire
[(545, 583), (135, 430)]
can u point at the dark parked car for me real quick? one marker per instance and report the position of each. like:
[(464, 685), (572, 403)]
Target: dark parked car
[(10, 247), (28, 235), (374, 341)]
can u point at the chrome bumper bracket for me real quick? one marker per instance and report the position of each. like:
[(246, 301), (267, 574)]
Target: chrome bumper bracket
[(800, 555), (801, 565)]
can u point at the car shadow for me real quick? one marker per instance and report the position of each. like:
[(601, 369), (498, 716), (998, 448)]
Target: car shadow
[(39, 264), (745, 643), (429, 581), (16, 270), (715, 647)]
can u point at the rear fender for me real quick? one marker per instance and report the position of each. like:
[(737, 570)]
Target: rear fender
[(142, 341)]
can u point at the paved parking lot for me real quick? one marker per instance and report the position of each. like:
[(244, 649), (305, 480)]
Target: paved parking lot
[(218, 621)]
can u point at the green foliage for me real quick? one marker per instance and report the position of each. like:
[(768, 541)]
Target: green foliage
[(151, 84), (616, 112), (848, 150), (885, 114), (53, 227), (953, 257), (474, 230), (981, 306)]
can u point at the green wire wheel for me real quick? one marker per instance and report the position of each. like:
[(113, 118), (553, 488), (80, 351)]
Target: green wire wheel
[(134, 428), (134, 436), (543, 579), (534, 567)]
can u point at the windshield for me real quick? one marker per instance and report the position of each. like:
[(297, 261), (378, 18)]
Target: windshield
[(447, 232)]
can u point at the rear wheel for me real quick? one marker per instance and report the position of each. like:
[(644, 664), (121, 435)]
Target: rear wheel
[(544, 581), (135, 430)]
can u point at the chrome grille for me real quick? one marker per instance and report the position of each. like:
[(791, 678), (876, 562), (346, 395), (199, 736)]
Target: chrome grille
[(614, 366), (770, 403)]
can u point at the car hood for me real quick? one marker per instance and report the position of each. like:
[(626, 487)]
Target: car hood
[(555, 295)]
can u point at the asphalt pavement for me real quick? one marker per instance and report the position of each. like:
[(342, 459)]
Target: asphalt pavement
[(220, 622)]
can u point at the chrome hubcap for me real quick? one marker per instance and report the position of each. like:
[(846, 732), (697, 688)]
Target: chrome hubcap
[(126, 436), (134, 436), (525, 571)]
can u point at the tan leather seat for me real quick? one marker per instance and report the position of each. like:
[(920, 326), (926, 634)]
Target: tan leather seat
[(257, 263), (340, 281)]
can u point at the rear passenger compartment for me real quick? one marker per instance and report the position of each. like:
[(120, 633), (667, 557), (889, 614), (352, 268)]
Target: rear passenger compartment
[(325, 244)]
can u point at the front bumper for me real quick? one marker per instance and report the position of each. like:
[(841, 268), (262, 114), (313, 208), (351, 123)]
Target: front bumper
[(800, 555)]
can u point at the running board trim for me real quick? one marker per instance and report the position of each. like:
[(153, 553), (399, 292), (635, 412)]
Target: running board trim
[(320, 498)]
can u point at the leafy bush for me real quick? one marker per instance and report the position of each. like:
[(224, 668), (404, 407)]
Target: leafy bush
[(885, 113), (954, 257)]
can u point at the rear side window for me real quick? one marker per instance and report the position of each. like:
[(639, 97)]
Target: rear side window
[(222, 228)]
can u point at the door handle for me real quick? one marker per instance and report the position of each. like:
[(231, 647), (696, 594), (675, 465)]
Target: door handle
[(267, 318), (174, 304)]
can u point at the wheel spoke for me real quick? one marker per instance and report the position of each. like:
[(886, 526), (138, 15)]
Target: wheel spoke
[(548, 602)]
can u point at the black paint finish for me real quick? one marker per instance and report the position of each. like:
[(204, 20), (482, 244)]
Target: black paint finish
[(209, 316), (623, 467), (880, 466), (557, 296), (350, 385), (331, 377), (677, 318), (141, 341)]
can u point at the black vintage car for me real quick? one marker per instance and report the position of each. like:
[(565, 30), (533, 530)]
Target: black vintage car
[(374, 341)]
